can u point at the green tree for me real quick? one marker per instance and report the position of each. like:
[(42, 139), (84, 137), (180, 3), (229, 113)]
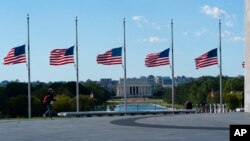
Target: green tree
[(100, 94), (234, 84), (213, 99), (36, 106), (3, 102), (232, 101), (85, 103), (62, 103), (16, 88), (18, 106), (160, 91), (40, 92), (63, 90)]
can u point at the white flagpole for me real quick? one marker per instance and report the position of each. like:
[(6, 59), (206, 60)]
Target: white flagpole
[(220, 65), (29, 87), (77, 71), (125, 70), (172, 50)]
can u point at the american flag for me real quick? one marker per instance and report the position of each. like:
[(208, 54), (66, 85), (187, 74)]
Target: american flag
[(111, 57), (157, 59), (62, 56), (207, 59), (15, 55)]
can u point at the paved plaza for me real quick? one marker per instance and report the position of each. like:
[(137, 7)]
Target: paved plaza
[(182, 127)]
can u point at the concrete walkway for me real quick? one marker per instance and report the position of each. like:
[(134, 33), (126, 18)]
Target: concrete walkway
[(189, 127)]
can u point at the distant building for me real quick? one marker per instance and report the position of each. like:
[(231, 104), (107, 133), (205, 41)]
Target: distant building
[(158, 80), (183, 79), (134, 88), (151, 79), (166, 82), (143, 77), (105, 82)]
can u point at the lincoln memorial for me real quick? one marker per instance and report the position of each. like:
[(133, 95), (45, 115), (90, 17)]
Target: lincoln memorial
[(134, 88)]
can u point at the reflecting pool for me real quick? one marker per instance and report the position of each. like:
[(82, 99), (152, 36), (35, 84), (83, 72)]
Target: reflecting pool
[(139, 107)]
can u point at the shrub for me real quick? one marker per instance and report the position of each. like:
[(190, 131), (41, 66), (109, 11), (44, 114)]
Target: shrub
[(232, 101), (18, 106), (62, 103), (85, 103)]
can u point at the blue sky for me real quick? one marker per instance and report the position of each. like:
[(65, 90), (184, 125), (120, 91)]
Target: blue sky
[(100, 28)]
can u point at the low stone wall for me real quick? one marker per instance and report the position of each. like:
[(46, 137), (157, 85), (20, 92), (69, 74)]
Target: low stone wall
[(112, 113)]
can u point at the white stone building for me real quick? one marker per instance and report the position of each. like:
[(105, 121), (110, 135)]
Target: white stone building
[(134, 88)]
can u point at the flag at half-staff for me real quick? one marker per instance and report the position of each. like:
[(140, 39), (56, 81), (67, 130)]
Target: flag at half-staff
[(157, 59), (62, 56), (111, 57), (15, 56), (208, 59)]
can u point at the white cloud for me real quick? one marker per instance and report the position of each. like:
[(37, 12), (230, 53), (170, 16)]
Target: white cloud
[(215, 12), (136, 18), (153, 39), (218, 13), (231, 37), (229, 24), (156, 26), (142, 21), (201, 32), (237, 39), (226, 33)]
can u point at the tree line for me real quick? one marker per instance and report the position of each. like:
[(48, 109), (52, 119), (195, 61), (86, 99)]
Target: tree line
[(14, 102), (206, 88)]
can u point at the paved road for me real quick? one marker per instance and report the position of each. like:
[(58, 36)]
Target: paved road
[(190, 127)]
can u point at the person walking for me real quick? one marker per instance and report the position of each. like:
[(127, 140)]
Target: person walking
[(48, 101)]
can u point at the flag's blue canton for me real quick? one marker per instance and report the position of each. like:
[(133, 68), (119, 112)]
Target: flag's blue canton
[(212, 53), (69, 51), (19, 50), (164, 53), (117, 52)]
